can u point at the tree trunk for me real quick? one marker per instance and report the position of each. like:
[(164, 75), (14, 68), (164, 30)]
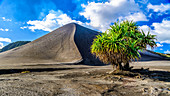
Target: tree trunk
[(114, 67), (126, 66), (117, 67), (120, 66)]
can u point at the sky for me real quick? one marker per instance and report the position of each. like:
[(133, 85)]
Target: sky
[(27, 20)]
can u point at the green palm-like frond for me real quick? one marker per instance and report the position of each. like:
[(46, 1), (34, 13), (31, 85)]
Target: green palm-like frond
[(121, 43)]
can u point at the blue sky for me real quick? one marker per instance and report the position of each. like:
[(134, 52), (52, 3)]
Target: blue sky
[(27, 20)]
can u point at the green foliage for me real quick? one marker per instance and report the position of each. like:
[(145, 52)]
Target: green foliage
[(121, 43), (14, 45)]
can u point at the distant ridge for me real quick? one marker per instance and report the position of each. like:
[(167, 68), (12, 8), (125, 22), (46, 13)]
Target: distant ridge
[(13, 45), (67, 44)]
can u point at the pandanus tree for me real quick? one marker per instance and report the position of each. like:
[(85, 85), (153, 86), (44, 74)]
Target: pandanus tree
[(121, 44)]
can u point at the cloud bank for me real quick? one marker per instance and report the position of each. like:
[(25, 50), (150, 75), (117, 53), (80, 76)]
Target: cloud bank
[(159, 45), (161, 30), (4, 40), (167, 52), (159, 8), (101, 15), (52, 21), (1, 45)]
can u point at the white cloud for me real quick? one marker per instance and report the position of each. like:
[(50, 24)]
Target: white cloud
[(5, 39), (167, 52), (161, 49), (4, 29), (101, 15), (137, 17), (150, 15), (161, 30), (145, 28), (166, 41), (4, 19), (52, 21), (162, 27), (159, 45), (159, 8), (23, 27), (1, 45), (143, 1)]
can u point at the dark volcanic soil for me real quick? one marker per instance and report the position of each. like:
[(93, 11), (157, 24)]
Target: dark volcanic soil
[(81, 80)]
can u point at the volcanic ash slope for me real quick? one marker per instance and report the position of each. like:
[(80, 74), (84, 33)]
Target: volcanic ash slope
[(67, 44)]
